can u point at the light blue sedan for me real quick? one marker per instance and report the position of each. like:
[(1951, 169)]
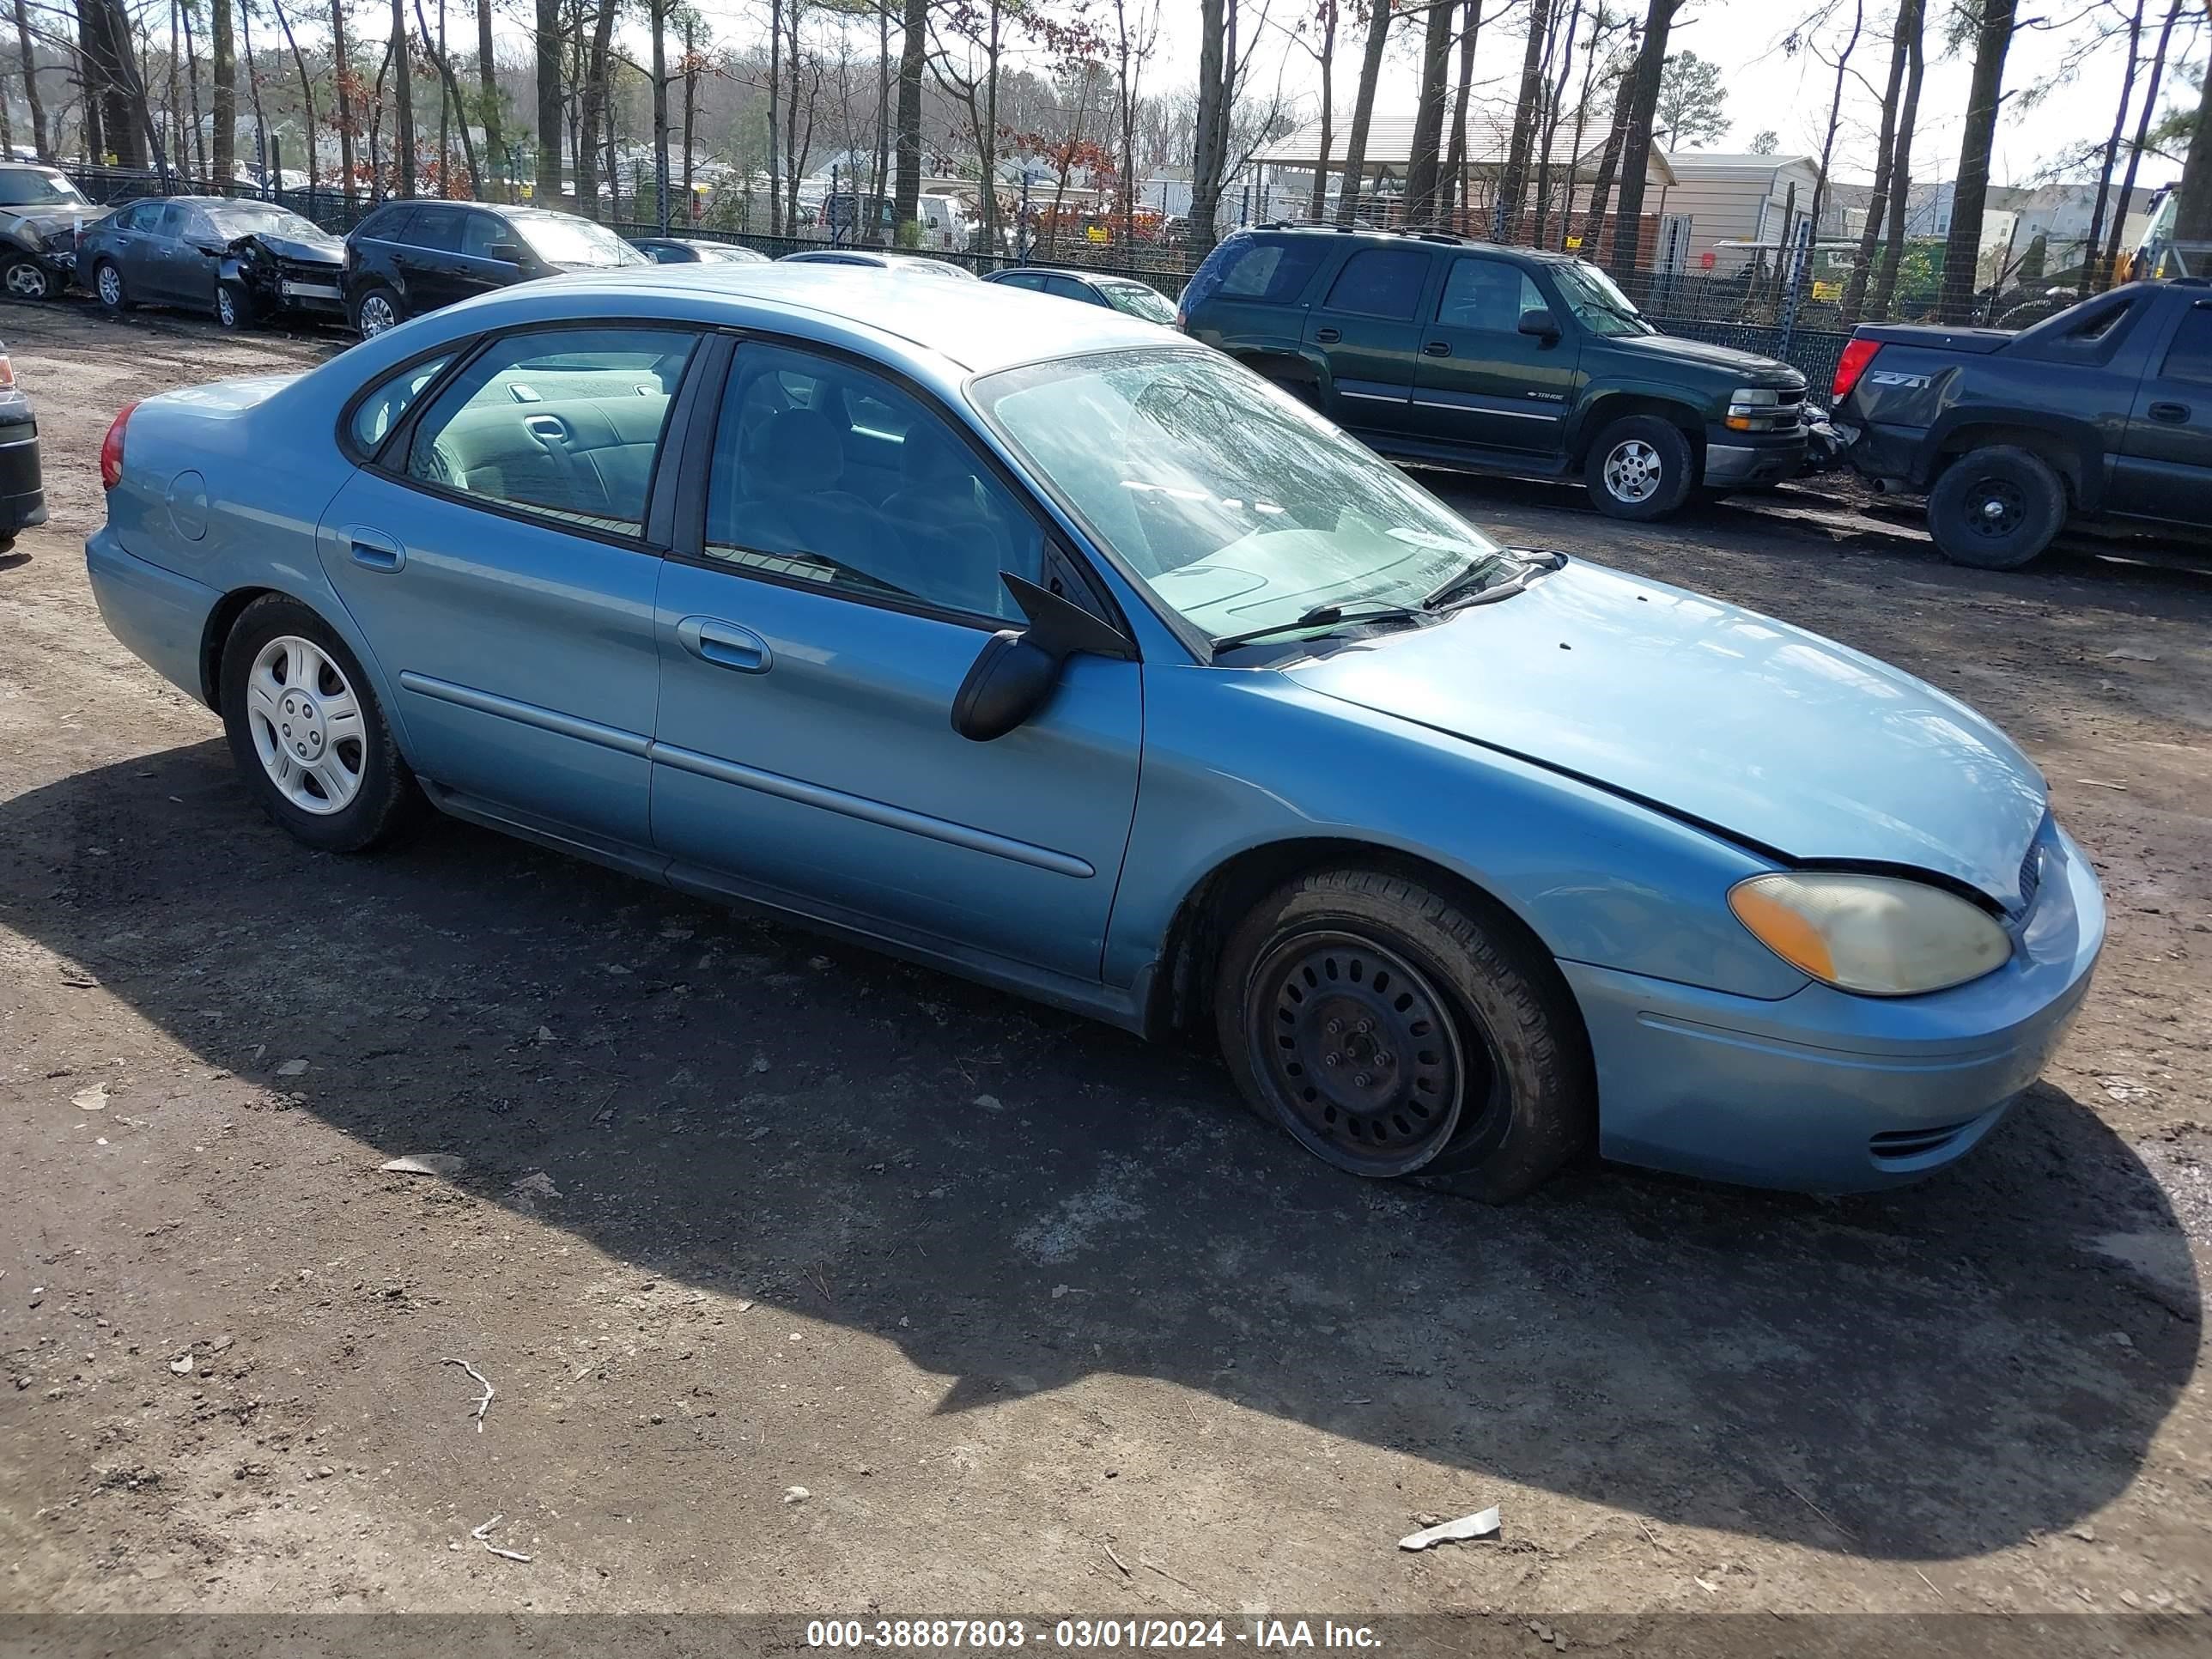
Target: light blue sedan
[(1023, 639)]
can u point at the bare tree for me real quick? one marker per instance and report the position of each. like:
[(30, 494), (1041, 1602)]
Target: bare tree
[(2192, 203), (1217, 77), (402, 98), (1363, 109), (1527, 118), (1635, 135), (1835, 109), (2119, 218), (1554, 106), (1911, 24), (1323, 54), (1454, 187), (592, 113), (307, 87), (1616, 140), (495, 157), (41, 141), (548, 187), (450, 98), (1423, 155), (913, 54), (968, 72), (1136, 38), (1602, 24), (1993, 32), (1885, 163)]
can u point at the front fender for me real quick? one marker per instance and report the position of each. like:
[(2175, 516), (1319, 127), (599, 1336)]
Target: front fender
[(1603, 401), (1236, 761)]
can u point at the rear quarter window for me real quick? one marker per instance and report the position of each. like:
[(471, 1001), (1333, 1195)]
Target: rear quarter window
[(1247, 268)]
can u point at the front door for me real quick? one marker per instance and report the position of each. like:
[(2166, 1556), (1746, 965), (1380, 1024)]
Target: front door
[(1483, 382), (496, 560), (2164, 470), (1367, 329), (813, 638)]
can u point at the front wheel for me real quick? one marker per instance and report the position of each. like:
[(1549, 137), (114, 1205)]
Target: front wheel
[(376, 311), (1393, 1030), (307, 732), (1996, 508), (234, 307), (1639, 467), (25, 278)]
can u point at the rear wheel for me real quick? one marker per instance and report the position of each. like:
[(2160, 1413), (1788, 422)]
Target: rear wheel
[(1639, 467), (1996, 508), (307, 731), (25, 278), (1392, 1030), (376, 309), (107, 283)]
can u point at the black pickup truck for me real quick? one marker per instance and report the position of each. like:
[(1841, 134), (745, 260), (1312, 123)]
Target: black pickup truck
[(2103, 411)]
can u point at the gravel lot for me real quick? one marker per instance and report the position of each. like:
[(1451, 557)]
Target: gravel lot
[(1039, 1318)]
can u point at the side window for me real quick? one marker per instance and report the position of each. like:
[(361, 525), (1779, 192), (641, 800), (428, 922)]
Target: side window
[(393, 227), (1031, 280), (196, 226), (375, 415), (170, 225), (1381, 282), (827, 474), (1487, 294), (2190, 356), (561, 423), (1069, 288), (1275, 272), (482, 230), (438, 229)]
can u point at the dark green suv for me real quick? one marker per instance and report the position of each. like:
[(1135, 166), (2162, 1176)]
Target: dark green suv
[(1443, 351)]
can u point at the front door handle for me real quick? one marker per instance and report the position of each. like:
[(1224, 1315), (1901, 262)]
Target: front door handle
[(1327, 336), (2171, 414), (373, 550), (1437, 348), (724, 644)]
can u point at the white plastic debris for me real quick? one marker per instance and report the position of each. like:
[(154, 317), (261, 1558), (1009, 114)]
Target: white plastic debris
[(430, 1163), (536, 1184), (479, 1535), (94, 1099), (796, 1494), (182, 1365), (1482, 1524), (292, 1068)]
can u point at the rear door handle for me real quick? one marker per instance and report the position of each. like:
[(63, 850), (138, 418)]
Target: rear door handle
[(373, 550), (1327, 336), (1437, 348), (724, 644), (2173, 414)]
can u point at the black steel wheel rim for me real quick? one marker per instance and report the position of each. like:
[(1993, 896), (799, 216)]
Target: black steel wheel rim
[(1996, 507), (1363, 1053)]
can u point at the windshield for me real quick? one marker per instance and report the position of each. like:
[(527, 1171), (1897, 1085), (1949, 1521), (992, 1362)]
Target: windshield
[(27, 188), (235, 219), (1138, 301), (1598, 305), (560, 238), (1239, 507)]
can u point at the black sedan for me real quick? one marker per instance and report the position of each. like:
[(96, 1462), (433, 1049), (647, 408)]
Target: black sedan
[(23, 490), (410, 257), (695, 250), (243, 260), (1120, 293)]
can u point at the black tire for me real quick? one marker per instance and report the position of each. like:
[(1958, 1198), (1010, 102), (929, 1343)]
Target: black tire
[(387, 798), (371, 294), (107, 287), (1996, 508), (1473, 1069), (1653, 456), (233, 307), (23, 278)]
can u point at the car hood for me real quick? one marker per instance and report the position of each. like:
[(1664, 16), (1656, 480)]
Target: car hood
[(1672, 350), (1778, 738), (307, 250), (47, 219)]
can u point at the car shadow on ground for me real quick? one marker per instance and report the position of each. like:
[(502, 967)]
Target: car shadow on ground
[(1017, 1198)]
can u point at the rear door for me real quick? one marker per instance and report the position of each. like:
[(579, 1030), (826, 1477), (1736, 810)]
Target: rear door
[(1367, 329), (1481, 381), (2164, 470), (431, 261)]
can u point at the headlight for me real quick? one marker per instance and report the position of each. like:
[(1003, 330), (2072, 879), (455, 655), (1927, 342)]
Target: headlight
[(1876, 935)]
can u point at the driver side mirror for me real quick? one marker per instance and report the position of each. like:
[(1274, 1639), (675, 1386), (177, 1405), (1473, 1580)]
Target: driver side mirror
[(508, 252), (1540, 322), (1014, 675)]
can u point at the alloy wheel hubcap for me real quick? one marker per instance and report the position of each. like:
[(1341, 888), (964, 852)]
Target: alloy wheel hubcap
[(26, 281), (226, 309), (1633, 472), (1363, 1051), (111, 285), (375, 314), (306, 725)]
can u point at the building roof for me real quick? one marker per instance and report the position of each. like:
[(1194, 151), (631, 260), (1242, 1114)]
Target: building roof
[(1699, 161), (1390, 144)]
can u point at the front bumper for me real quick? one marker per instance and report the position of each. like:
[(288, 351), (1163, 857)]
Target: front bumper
[(1824, 1092), (1736, 460)]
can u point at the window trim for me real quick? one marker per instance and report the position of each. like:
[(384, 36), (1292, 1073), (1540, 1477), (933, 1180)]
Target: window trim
[(2164, 371), (401, 438), (1428, 259), (688, 542)]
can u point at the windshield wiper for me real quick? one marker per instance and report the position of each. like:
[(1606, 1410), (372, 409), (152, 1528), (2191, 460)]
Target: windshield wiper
[(1325, 616), (1473, 585)]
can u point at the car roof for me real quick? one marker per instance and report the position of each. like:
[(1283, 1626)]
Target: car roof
[(972, 327), (1397, 238)]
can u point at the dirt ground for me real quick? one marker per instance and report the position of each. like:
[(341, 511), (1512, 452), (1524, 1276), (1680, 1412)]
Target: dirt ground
[(1038, 1318)]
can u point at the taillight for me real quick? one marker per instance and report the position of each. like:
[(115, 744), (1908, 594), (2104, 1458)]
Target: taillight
[(7, 373), (1857, 354), (110, 449)]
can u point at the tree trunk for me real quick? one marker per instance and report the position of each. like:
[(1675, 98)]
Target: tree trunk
[(1962, 248), (223, 99), (1362, 109), (306, 92), (2192, 203), (1835, 113), (403, 99), (1913, 31), (340, 74), (193, 91), (39, 141), (1601, 26), (1608, 161), (1456, 159), (2141, 139), (913, 52), (495, 156), (1636, 136), (987, 149), (2086, 283), (691, 112), (883, 120), (546, 191), (775, 137), (1422, 156), (1885, 160), (1553, 101), (593, 111), (659, 20), (1217, 73), (1527, 118), (791, 152), (1317, 208), (115, 80), (451, 96)]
